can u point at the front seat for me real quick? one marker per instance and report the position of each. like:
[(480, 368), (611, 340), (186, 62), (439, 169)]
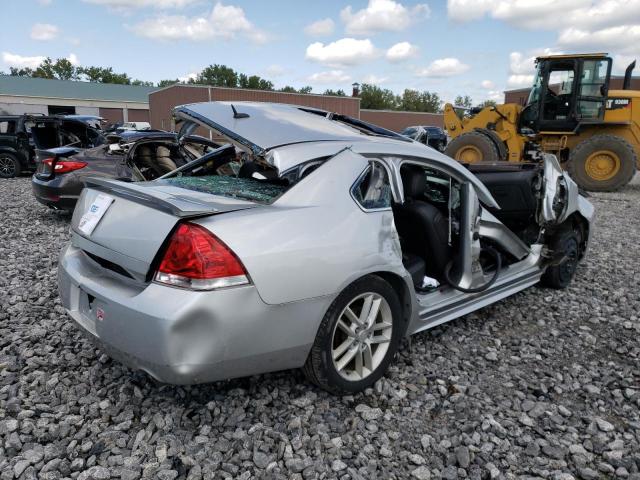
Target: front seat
[(163, 160), (423, 229)]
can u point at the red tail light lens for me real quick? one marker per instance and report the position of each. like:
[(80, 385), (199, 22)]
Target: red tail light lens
[(197, 259), (62, 166)]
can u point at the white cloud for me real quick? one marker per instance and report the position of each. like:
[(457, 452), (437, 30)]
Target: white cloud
[(320, 28), (18, 61), (44, 31), (374, 79), (188, 76), (382, 15), (124, 5), (621, 38), (224, 21), (488, 84), (522, 67), (329, 77), (443, 67), (401, 51), (73, 59), (346, 51), (275, 70), (548, 14)]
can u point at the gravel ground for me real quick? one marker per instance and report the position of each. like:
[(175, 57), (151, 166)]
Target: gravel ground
[(545, 384)]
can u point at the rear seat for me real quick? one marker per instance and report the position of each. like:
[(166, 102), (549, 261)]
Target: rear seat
[(513, 185)]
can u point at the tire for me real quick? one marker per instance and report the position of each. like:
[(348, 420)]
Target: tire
[(473, 147), (602, 163), (9, 166), (327, 353), (559, 276)]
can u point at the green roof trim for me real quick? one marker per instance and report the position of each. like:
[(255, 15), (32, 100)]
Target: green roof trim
[(44, 87)]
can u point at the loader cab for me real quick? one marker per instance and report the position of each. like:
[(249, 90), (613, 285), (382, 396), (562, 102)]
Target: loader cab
[(567, 92)]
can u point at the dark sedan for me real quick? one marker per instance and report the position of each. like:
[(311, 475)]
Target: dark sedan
[(434, 137), (129, 156)]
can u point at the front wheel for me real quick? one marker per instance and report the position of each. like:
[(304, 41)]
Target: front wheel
[(9, 166), (358, 337), (566, 247), (473, 147)]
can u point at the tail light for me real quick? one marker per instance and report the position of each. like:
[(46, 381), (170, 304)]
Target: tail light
[(197, 259), (51, 166)]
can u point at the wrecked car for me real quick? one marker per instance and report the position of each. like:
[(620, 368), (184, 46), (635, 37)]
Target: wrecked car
[(319, 246), (22, 135), (129, 156)]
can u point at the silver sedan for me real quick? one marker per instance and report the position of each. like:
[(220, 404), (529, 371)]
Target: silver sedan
[(309, 240)]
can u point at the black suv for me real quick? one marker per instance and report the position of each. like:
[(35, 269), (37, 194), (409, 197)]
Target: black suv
[(434, 137), (22, 135)]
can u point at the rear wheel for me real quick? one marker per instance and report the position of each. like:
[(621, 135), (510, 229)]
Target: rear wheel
[(9, 166), (473, 147), (357, 339), (602, 163), (566, 247)]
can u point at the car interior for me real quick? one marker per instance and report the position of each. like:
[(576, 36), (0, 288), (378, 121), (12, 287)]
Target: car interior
[(428, 222)]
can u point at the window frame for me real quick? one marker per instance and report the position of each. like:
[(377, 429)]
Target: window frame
[(361, 177)]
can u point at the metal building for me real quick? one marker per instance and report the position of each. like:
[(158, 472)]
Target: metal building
[(115, 103)]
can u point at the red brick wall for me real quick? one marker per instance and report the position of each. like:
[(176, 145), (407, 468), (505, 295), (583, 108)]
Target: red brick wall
[(112, 115), (162, 102)]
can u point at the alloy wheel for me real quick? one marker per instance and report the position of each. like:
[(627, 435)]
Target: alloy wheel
[(361, 336), (7, 167)]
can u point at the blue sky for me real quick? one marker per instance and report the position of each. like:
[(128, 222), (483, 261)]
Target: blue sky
[(469, 47)]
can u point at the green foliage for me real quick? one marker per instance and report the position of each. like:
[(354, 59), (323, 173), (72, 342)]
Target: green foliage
[(217, 76), (487, 103), (254, 82), (166, 83), (463, 101), (376, 98), (335, 93), (289, 89), (415, 101)]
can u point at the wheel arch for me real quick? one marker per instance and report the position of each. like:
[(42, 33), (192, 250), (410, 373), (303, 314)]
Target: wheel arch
[(403, 291)]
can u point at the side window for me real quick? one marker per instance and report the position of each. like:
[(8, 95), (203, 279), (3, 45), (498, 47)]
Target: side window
[(372, 190), (7, 126)]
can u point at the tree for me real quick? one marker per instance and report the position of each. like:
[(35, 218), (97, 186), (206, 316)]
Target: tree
[(166, 83), (217, 76), (290, 89), (461, 105), (61, 69), (143, 83), (21, 72), (64, 69), (376, 98), (335, 93), (254, 82), (306, 89), (487, 103), (415, 101)]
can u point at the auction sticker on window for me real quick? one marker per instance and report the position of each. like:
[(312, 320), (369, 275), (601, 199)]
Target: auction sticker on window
[(96, 211)]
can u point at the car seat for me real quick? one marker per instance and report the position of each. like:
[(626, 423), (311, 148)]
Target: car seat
[(423, 229)]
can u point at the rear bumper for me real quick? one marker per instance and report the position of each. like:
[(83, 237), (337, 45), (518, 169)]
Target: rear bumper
[(59, 193), (184, 337)]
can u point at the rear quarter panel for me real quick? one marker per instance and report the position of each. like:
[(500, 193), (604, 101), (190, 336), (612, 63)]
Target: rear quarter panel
[(315, 239)]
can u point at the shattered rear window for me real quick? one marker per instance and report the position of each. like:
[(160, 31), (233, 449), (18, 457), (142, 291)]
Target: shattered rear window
[(243, 188)]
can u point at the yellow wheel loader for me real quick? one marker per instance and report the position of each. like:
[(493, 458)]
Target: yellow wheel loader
[(570, 112)]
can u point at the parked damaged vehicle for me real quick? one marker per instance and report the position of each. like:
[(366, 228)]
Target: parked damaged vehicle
[(319, 247), (129, 156), (434, 137), (22, 135)]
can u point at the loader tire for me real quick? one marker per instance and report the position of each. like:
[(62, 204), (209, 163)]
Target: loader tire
[(602, 163), (473, 147)]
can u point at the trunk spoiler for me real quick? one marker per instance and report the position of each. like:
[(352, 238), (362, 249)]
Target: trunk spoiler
[(177, 205)]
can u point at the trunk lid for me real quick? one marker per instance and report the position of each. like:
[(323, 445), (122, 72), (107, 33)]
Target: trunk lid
[(137, 220)]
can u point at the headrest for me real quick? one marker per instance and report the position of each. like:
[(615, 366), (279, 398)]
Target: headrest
[(414, 181), (163, 151), (144, 150)]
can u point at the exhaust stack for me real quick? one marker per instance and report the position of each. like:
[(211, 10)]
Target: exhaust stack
[(627, 76)]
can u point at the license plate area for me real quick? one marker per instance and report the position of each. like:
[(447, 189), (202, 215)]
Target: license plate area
[(92, 311)]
